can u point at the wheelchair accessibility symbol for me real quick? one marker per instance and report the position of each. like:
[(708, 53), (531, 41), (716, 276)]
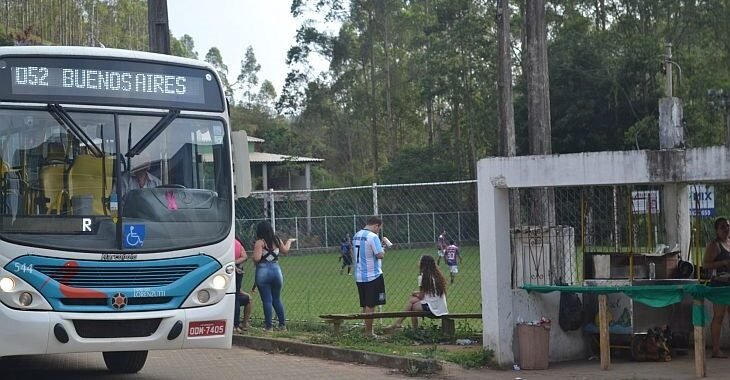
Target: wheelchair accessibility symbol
[(133, 235)]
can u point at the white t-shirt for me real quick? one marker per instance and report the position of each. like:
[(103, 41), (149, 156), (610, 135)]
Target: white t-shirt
[(436, 304)]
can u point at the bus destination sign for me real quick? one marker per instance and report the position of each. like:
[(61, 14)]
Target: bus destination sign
[(108, 82)]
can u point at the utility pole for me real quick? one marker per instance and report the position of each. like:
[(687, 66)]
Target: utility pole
[(506, 145), (158, 25), (675, 204)]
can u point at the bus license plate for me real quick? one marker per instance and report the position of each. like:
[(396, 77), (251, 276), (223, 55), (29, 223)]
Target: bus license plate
[(206, 328)]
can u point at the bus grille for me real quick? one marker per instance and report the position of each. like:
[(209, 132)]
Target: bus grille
[(134, 328), (115, 277)]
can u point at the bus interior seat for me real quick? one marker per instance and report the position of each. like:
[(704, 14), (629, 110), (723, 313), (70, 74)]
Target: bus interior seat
[(52, 184), (52, 176), (84, 179), (54, 153)]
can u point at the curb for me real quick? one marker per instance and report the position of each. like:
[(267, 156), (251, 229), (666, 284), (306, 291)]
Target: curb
[(410, 365)]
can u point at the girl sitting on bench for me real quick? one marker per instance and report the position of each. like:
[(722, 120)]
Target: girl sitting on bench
[(430, 296)]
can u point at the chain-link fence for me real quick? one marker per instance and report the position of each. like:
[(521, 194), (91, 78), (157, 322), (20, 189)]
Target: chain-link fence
[(413, 216), (559, 234)]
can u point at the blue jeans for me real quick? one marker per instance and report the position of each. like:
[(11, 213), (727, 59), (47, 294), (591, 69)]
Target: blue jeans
[(269, 281)]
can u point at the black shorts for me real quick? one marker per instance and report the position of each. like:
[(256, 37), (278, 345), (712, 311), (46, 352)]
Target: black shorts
[(372, 293), (243, 299), (425, 307)]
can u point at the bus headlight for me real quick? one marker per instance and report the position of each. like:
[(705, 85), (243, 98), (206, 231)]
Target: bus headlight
[(7, 284), (203, 296), (25, 299), (211, 290), (219, 282), (16, 293)]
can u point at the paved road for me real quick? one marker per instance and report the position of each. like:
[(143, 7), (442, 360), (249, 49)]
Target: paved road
[(237, 363), (242, 363)]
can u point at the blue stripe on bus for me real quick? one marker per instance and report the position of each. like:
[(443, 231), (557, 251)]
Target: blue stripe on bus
[(174, 293)]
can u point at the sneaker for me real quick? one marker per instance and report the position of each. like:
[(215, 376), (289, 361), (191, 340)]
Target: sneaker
[(268, 331), (281, 329)]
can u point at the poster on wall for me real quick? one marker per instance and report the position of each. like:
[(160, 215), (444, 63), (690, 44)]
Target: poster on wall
[(702, 200)]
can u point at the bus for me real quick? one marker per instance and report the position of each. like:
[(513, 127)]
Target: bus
[(117, 199)]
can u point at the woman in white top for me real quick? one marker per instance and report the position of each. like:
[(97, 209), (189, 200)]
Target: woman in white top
[(431, 293)]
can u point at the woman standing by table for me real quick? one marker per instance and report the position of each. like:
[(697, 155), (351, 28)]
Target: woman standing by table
[(717, 259)]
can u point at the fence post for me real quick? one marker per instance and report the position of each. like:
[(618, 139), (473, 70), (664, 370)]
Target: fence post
[(433, 225), (375, 199), (354, 225), (271, 206), (458, 222), (408, 224), (326, 240), (296, 230)]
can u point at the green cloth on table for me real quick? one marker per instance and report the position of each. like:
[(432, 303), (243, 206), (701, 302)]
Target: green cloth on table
[(650, 295)]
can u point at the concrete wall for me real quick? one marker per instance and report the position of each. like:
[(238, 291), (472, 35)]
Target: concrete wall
[(571, 345), (496, 175)]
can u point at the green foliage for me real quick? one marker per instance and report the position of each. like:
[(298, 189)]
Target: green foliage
[(473, 359), (5, 40), (183, 47), (412, 165)]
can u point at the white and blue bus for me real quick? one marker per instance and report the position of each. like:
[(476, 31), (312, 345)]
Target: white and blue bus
[(116, 204)]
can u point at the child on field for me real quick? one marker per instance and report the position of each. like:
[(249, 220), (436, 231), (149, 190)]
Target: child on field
[(346, 255), (451, 255)]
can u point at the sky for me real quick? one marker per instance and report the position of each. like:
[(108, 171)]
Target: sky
[(233, 25)]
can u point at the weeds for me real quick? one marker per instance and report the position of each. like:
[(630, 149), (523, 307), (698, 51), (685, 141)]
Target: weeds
[(473, 359)]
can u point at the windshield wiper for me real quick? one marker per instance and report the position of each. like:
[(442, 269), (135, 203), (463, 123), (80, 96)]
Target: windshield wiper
[(145, 141), (63, 118)]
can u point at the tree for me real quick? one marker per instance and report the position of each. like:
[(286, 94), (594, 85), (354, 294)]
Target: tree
[(248, 79), (267, 97), (214, 58), (538, 100), (183, 47)]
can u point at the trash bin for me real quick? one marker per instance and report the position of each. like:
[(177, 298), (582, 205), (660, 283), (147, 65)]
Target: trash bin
[(534, 342)]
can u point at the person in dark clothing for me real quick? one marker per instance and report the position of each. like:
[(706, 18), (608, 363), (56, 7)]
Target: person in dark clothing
[(717, 259), (346, 254), (243, 299)]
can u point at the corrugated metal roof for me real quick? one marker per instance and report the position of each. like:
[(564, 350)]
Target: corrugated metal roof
[(254, 139), (260, 157)]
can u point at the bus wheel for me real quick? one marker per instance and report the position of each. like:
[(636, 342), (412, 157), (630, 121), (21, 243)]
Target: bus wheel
[(125, 361)]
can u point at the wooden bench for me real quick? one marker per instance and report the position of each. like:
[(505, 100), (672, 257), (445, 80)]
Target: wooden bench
[(448, 327)]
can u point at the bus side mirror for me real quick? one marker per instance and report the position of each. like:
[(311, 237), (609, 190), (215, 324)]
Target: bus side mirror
[(241, 164)]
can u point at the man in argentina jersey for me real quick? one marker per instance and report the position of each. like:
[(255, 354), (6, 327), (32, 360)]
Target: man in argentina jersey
[(368, 254)]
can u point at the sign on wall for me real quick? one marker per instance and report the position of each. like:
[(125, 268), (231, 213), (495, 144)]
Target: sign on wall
[(645, 201), (702, 200)]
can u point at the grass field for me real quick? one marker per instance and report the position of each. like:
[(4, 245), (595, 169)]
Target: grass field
[(313, 285)]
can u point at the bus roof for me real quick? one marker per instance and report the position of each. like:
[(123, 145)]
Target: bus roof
[(102, 53)]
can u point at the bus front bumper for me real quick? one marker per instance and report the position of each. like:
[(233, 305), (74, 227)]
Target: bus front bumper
[(36, 332)]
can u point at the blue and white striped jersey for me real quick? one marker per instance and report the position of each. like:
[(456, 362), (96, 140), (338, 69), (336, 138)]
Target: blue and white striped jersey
[(365, 245)]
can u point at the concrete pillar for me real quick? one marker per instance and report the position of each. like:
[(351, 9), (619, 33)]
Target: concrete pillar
[(495, 268), (671, 129), (675, 210), (265, 176), (675, 202)]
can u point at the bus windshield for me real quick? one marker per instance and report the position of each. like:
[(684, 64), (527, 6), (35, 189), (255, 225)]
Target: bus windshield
[(114, 181)]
